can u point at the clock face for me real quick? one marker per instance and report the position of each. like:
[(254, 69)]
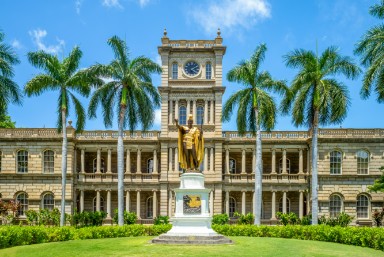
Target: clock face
[(191, 68)]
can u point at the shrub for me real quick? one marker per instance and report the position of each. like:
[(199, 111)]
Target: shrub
[(161, 220), (85, 219), (288, 218), (342, 220), (220, 219), (378, 217), (246, 219), (129, 217)]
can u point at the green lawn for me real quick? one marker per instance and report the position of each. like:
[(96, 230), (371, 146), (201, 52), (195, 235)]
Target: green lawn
[(140, 246)]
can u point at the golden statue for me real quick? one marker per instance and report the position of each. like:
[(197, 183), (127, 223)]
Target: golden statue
[(190, 145)]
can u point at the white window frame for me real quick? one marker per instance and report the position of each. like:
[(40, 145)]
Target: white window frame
[(149, 208), (333, 161), (24, 167), (199, 115), (361, 163), (281, 166), (232, 206), (101, 203), (281, 205), (48, 205), (150, 163), (102, 165), (334, 209), (23, 203), (175, 70), (46, 163), (208, 70), (232, 170), (182, 115), (360, 206)]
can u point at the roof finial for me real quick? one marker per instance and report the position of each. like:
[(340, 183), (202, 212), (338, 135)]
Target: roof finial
[(218, 32), (165, 32)]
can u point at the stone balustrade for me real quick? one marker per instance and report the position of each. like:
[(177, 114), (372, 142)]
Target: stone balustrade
[(267, 178), (113, 177)]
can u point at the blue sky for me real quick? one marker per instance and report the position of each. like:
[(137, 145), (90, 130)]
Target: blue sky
[(57, 26)]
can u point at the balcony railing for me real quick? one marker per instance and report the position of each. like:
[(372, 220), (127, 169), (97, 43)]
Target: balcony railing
[(113, 177), (267, 178), (109, 134)]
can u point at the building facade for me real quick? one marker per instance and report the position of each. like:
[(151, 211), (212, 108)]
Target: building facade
[(191, 83)]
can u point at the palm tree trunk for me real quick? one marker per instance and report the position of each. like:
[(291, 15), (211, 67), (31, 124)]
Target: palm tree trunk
[(120, 169), (258, 172), (314, 170), (63, 166)]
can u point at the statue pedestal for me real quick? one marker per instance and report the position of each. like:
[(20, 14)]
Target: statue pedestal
[(192, 221)]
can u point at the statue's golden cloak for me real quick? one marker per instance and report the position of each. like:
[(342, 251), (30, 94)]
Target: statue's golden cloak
[(199, 146)]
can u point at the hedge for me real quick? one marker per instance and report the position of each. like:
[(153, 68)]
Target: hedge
[(26, 235), (359, 236)]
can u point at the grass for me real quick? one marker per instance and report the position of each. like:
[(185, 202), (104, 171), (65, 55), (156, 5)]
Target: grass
[(140, 246)]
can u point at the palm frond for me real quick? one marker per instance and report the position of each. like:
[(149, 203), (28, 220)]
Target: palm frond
[(80, 113), (40, 84)]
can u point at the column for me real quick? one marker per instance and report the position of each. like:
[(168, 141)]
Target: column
[(243, 202), (138, 204), (109, 204), (253, 202), (301, 199), (211, 203), (206, 159), (243, 161), (155, 161), (301, 161), (273, 161), (170, 159), (253, 161), (128, 165), (205, 112), (170, 112), (138, 164), (212, 111), (308, 163), (109, 164), (170, 203), (194, 112), (284, 161), (211, 160), (97, 200), (127, 201), (177, 109), (81, 200), (98, 161), (285, 202), (273, 205), (154, 202), (188, 108), (176, 160), (82, 158), (227, 161), (308, 203), (227, 202)]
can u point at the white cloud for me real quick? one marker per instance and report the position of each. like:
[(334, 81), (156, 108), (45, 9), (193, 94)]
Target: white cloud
[(157, 121), (16, 44), (112, 3), (38, 35), (143, 2), (228, 14), (78, 4)]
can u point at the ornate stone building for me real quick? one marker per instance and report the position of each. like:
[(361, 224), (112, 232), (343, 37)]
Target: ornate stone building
[(191, 83)]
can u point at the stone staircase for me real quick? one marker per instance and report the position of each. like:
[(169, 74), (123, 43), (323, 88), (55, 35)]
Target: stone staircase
[(191, 240)]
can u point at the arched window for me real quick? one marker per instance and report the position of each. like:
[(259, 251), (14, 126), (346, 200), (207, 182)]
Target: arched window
[(101, 204), (22, 198), (48, 201), (288, 165), (208, 70), (22, 161), (175, 70), (102, 165), (288, 205), (200, 115), (232, 166), (362, 207), (149, 208), (335, 162), (362, 162), (150, 165), (335, 205), (49, 161), (182, 115), (232, 207)]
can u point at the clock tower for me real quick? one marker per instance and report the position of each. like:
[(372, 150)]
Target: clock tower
[(191, 84)]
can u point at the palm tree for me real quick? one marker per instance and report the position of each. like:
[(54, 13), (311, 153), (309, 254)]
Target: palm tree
[(256, 108), (317, 98), (64, 78), (133, 95), (9, 90), (371, 50)]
